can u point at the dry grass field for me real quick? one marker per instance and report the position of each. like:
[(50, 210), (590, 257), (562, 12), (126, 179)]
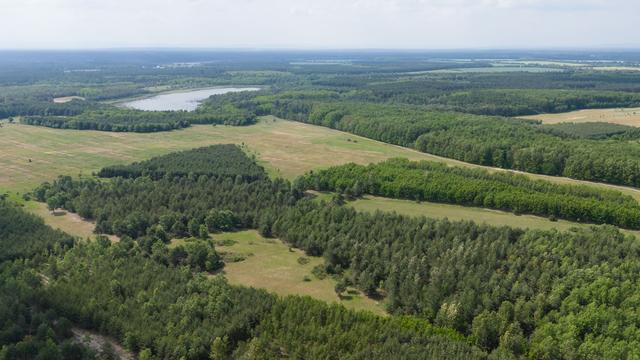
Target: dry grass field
[(626, 116), (457, 212), (30, 155), (272, 265)]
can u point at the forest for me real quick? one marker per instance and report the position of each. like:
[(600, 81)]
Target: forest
[(450, 289), (29, 329), (126, 120), (165, 311), (511, 292), (216, 160), (436, 182)]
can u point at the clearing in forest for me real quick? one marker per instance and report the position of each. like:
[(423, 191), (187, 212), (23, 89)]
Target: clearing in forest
[(66, 99), (272, 265), (370, 204), (622, 116)]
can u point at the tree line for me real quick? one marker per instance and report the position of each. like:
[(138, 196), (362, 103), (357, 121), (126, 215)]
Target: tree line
[(436, 182), (127, 120)]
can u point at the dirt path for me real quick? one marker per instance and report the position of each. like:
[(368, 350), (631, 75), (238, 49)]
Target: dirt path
[(100, 343)]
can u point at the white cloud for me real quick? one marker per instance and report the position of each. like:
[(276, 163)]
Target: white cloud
[(319, 23)]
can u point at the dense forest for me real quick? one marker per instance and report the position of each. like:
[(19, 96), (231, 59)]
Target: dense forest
[(540, 294), (217, 160), (161, 310), (161, 192), (126, 120), (29, 329), (512, 292), (591, 130), (436, 182)]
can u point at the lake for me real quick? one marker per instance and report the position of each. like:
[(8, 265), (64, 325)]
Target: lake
[(183, 100)]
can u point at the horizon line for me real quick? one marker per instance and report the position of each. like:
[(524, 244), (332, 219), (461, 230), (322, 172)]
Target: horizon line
[(319, 49)]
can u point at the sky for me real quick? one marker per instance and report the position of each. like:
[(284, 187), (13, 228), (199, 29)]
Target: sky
[(319, 24)]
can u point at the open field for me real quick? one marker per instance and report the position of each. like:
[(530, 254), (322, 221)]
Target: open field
[(626, 116), (30, 155), (457, 212), (272, 265), (285, 148), (68, 222), (66, 99)]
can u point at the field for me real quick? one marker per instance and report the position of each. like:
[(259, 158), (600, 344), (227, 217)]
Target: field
[(68, 222), (30, 155), (627, 116), (495, 69), (272, 265), (66, 99), (457, 212)]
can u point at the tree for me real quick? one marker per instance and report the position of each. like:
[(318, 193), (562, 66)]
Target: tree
[(157, 231), (485, 329), (194, 228), (340, 287), (218, 349), (145, 354), (203, 233), (54, 202), (513, 340)]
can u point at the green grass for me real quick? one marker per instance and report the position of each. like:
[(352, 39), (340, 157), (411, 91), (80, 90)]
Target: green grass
[(272, 265), (285, 148), (457, 212)]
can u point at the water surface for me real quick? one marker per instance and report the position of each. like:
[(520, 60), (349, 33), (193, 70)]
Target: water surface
[(184, 100)]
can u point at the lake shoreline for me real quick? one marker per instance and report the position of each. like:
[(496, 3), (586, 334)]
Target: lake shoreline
[(121, 103)]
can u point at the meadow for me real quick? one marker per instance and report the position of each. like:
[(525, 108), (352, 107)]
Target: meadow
[(272, 265), (30, 155), (457, 213), (624, 116)]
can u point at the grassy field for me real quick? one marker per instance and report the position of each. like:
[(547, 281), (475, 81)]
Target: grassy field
[(30, 155), (68, 222), (457, 212), (626, 116), (273, 266)]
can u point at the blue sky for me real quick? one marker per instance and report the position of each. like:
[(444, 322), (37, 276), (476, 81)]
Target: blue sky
[(399, 24)]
